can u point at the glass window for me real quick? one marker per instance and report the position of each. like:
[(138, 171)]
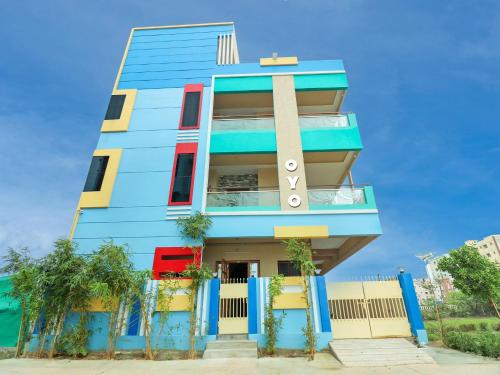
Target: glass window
[(115, 107), (191, 110), (181, 191), (286, 268), (96, 173)]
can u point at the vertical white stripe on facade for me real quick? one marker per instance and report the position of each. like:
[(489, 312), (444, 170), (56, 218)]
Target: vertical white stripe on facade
[(149, 288), (219, 49), (204, 313), (119, 319), (261, 303), (125, 321), (312, 283), (198, 311)]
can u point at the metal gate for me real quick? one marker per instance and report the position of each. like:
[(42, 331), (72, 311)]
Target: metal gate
[(233, 307), (367, 309)]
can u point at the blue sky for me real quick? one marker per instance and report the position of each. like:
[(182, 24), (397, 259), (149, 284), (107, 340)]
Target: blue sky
[(424, 83)]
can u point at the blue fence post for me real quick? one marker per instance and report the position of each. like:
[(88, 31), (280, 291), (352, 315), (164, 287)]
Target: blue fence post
[(412, 308), (252, 305), (213, 313)]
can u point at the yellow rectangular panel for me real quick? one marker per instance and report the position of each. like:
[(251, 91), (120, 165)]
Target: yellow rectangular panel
[(382, 289), (174, 283), (179, 302), (233, 290), (270, 61), (101, 198), (233, 325), (293, 280), (121, 124), (290, 301), (97, 305), (303, 231)]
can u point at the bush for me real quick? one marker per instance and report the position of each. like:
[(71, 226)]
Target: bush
[(483, 326), (468, 327), (497, 327), (484, 343)]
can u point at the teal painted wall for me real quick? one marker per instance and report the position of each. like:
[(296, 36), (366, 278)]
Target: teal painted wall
[(229, 85), (243, 142), (330, 81)]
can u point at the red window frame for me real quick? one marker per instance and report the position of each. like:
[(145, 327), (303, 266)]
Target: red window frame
[(183, 148), (198, 87), (175, 266)]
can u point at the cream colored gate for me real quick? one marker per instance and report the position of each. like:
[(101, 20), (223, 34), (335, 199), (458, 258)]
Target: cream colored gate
[(233, 308), (367, 309)]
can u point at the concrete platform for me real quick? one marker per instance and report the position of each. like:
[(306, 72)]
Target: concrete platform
[(221, 349), (378, 352)]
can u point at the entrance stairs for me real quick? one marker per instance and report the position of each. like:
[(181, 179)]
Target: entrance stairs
[(231, 346), (378, 352)]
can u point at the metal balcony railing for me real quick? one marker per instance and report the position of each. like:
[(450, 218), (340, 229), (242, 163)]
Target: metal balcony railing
[(239, 123), (262, 198), (323, 120), (344, 195)]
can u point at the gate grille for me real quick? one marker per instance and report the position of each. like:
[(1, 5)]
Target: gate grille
[(233, 308)]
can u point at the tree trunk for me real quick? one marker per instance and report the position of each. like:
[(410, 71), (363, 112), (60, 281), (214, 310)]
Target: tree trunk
[(309, 329), (22, 328), (60, 326), (192, 324), (110, 352), (494, 305)]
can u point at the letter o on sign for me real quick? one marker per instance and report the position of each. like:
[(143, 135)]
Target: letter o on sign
[(291, 165), (294, 200)]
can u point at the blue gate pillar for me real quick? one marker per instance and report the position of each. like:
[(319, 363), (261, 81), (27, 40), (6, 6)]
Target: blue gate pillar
[(252, 305), (213, 312), (412, 308)]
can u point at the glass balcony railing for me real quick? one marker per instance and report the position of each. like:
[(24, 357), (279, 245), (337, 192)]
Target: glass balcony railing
[(243, 200), (315, 121), (242, 124), (336, 197)]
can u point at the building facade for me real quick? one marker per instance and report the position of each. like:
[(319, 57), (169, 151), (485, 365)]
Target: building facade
[(488, 247), (263, 148)]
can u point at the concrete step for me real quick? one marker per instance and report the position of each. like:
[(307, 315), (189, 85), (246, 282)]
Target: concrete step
[(378, 352), (230, 349), (230, 344), (235, 336)]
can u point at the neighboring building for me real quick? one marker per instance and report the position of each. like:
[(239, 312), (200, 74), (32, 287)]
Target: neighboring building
[(442, 281), (421, 291), (488, 247), (263, 148)]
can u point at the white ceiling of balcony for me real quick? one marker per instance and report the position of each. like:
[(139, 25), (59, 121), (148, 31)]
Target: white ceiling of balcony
[(327, 168)]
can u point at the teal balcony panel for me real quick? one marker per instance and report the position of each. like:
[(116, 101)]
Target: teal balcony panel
[(314, 82), (232, 85), (243, 142), (332, 138)]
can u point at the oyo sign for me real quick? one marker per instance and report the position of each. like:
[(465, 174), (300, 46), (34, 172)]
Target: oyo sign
[(291, 166)]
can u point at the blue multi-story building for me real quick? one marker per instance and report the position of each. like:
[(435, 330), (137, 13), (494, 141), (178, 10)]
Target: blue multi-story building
[(263, 148)]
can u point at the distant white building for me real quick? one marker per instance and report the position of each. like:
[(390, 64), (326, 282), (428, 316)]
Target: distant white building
[(442, 281), (488, 247), (420, 290)]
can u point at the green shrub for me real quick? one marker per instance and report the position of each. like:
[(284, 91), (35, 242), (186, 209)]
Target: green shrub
[(467, 327), (74, 342), (484, 343), (483, 326), (497, 327)]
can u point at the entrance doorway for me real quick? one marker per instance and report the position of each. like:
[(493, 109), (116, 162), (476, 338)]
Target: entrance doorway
[(237, 271)]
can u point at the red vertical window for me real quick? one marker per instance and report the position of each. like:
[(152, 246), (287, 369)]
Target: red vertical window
[(173, 260), (191, 107), (182, 183)]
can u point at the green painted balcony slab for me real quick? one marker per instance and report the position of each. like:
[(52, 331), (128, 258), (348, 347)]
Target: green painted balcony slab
[(313, 82), (330, 133)]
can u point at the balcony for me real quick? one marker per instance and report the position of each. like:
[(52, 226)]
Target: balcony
[(242, 123), (329, 132), (321, 198), (258, 200), (341, 197), (323, 121), (243, 134)]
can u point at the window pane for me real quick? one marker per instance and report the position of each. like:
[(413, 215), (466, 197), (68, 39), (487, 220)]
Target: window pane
[(115, 107), (191, 109), (96, 173), (181, 191), (286, 268)]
